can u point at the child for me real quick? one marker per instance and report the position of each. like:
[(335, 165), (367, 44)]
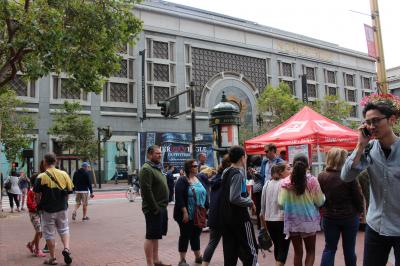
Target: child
[(33, 246), (271, 215)]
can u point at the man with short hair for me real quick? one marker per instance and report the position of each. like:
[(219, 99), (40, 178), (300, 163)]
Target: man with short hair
[(267, 163), (154, 190), (82, 188), (202, 160), (52, 188), (378, 151)]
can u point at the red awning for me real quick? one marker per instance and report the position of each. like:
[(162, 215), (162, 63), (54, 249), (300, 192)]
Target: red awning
[(305, 127)]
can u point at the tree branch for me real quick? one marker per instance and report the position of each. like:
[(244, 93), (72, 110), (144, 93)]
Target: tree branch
[(26, 6)]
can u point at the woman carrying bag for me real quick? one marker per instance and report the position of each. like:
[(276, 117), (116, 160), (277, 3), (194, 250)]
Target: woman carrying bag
[(190, 195), (13, 190)]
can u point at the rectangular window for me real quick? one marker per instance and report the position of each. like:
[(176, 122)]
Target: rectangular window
[(349, 80), (351, 95), (161, 72), (354, 111), (187, 54), (331, 77), (310, 72), (291, 86), (312, 90), (366, 93), (331, 91), (287, 70), (118, 92), (61, 90), (123, 72), (19, 86), (160, 50), (131, 69), (366, 83)]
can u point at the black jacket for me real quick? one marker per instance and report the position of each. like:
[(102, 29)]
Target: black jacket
[(181, 197), (82, 181), (215, 195)]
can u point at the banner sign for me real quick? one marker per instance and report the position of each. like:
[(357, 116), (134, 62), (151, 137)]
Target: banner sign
[(295, 149), (176, 147), (369, 35)]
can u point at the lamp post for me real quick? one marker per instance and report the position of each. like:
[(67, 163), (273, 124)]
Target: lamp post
[(260, 121), (225, 121)]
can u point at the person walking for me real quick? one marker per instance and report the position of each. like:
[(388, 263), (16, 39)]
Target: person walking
[(83, 188), (189, 192), (34, 216), (378, 151), (239, 241), (300, 198), (52, 189), (154, 191), (254, 172), (271, 215), (23, 184), (13, 192), (214, 220), (341, 211)]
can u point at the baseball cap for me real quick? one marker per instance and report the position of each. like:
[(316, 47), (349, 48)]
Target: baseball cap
[(85, 164)]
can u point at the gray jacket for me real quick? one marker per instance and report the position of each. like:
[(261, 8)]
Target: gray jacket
[(14, 185)]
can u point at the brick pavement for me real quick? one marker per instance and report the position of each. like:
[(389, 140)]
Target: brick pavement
[(114, 236)]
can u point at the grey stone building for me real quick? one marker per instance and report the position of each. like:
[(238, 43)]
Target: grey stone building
[(393, 78), (219, 53)]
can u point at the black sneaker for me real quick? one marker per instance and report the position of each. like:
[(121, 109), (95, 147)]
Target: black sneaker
[(198, 260), (85, 218)]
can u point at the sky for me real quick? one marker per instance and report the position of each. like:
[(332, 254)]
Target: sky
[(327, 20)]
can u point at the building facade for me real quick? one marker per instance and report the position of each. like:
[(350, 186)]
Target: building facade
[(393, 78), (220, 54)]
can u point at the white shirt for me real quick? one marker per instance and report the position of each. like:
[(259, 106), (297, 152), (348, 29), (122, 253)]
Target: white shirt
[(269, 201)]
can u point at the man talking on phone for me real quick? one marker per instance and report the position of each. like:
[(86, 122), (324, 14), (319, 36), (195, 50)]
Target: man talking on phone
[(378, 151)]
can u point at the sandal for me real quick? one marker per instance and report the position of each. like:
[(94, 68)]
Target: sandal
[(51, 261), (30, 247), (74, 215), (67, 256)]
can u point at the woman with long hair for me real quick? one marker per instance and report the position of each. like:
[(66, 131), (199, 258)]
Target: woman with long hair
[(341, 211), (189, 192), (13, 192), (300, 198), (271, 215)]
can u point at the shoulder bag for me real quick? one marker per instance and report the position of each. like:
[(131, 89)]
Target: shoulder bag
[(200, 213)]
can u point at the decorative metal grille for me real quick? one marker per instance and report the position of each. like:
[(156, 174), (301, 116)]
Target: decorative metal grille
[(160, 50), (349, 80), (161, 72), (123, 72), (206, 63), (353, 111), (331, 77), (332, 91), (119, 92), (311, 90), (68, 93), (160, 93), (351, 95), (310, 72), (20, 87), (287, 70), (367, 83)]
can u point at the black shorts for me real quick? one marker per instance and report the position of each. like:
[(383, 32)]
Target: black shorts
[(156, 224)]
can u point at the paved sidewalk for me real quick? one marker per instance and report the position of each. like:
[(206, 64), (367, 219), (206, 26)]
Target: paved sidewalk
[(114, 236)]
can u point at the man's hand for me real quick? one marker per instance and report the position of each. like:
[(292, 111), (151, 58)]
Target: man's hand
[(92, 196), (185, 218)]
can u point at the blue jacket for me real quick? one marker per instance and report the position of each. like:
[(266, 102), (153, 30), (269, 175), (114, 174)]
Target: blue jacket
[(264, 163)]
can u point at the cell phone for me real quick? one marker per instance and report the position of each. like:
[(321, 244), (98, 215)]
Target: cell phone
[(366, 132)]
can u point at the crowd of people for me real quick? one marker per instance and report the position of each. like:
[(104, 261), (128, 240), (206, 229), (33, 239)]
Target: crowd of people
[(288, 201)]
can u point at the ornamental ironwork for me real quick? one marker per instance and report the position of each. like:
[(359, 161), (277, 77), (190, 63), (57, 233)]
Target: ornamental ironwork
[(19, 86), (207, 63), (161, 93), (310, 72), (331, 77), (160, 50), (311, 90), (118, 92), (161, 72), (123, 72)]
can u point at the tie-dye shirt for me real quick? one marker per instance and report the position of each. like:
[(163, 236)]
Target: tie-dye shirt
[(301, 213)]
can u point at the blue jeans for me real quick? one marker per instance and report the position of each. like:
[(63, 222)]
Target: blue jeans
[(348, 228), (377, 248)]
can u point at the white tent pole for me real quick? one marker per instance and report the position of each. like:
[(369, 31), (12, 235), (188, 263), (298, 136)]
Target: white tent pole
[(319, 159)]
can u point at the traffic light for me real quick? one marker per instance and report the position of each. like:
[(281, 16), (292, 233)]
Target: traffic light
[(107, 133), (164, 107)]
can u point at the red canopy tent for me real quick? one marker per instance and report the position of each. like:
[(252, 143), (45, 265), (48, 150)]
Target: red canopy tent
[(305, 127)]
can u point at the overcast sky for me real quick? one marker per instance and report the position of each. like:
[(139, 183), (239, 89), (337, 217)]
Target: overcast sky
[(327, 20)]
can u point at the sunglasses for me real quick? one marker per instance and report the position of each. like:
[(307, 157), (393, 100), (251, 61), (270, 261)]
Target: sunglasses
[(195, 166)]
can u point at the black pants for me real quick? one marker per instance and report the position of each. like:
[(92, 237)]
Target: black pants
[(281, 245), (239, 241), (377, 248), (189, 233), (215, 237), (12, 197), (257, 198)]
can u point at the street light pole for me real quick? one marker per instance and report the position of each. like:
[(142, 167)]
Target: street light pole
[(193, 113), (99, 154)]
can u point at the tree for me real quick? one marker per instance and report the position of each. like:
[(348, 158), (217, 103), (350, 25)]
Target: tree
[(279, 105), (75, 131), (79, 37), (332, 107), (14, 126)]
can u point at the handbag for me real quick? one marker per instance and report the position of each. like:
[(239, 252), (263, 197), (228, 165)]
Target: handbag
[(200, 213), (264, 240), (7, 185)]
